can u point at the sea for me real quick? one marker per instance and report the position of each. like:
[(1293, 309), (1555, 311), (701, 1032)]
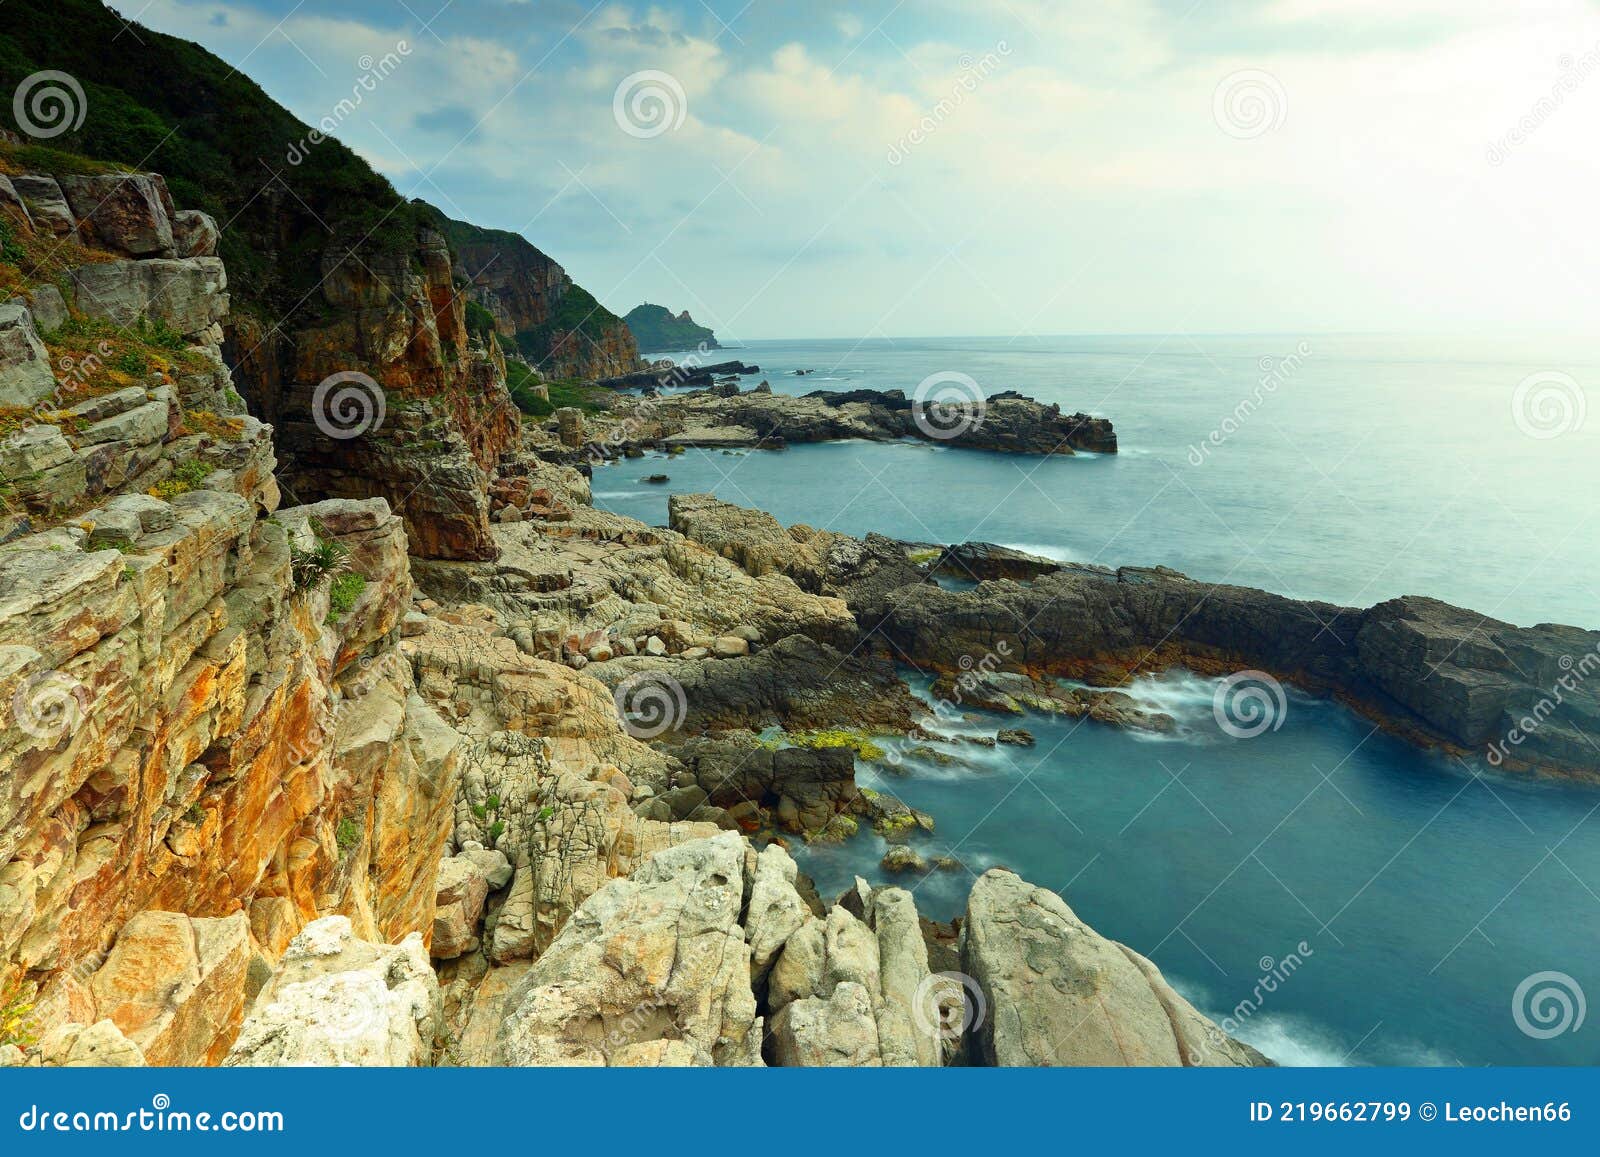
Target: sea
[(1325, 891)]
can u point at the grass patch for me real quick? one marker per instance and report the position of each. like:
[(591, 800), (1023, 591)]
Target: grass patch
[(31, 257), (342, 595), (213, 425), (185, 478), (92, 357), (346, 834)]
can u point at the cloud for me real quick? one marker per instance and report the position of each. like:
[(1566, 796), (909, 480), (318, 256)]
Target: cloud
[(1041, 164)]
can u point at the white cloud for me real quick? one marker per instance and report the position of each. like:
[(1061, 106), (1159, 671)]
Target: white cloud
[(1082, 180)]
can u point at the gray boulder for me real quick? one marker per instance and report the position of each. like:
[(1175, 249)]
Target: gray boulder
[(189, 294), (46, 204), (127, 212), (195, 234), (1056, 992), (655, 959), (25, 375)]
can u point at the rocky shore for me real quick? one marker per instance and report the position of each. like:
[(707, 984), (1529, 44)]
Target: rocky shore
[(266, 800), (439, 764), (1433, 673)]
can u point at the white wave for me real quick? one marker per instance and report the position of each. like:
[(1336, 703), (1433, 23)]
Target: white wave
[(1294, 1042), (1045, 550)]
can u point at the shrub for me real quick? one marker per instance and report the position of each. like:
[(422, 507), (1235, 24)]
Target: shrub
[(323, 561)]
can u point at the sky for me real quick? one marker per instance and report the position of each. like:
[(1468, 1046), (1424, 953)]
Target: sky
[(1008, 167)]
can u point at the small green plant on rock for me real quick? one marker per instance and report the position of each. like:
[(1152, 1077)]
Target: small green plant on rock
[(346, 834), (342, 595), (324, 560), (183, 479), (488, 812), (16, 1016)]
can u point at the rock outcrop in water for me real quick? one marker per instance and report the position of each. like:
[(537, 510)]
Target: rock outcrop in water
[(1059, 993), (1431, 672), (725, 418)]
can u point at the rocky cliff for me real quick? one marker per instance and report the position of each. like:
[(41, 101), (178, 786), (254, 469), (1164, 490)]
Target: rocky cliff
[(557, 326), (348, 332), (209, 737)]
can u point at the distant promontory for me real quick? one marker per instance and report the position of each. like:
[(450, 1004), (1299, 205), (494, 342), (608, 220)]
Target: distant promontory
[(655, 327)]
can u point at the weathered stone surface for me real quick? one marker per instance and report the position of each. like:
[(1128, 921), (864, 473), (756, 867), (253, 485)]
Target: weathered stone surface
[(174, 985), (139, 426), (903, 973), (1058, 993), (775, 911), (458, 907), (46, 203), (656, 957), (339, 1000), (187, 294), (810, 785), (979, 561), (25, 374), (49, 308), (128, 213), (821, 955), (837, 1030), (797, 682), (194, 234), (97, 1045)]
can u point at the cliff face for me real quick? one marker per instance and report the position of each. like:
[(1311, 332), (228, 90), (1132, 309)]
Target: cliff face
[(385, 395), (556, 325), (209, 738), (336, 273)]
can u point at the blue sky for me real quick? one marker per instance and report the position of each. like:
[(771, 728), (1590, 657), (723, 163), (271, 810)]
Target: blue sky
[(1008, 167)]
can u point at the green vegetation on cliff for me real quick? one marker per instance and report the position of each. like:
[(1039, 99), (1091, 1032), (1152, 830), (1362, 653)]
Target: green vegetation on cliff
[(542, 314), (159, 104), (655, 327)]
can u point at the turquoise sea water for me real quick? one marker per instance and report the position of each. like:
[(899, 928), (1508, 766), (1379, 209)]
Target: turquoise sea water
[(1412, 896)]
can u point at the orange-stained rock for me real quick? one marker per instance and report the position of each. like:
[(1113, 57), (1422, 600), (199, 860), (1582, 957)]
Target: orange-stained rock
[(174, 985)]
